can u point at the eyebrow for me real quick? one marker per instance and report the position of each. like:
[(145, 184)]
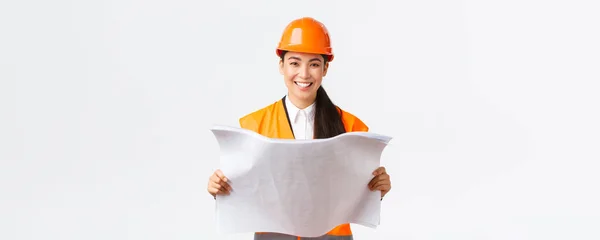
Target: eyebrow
[(297, 58)]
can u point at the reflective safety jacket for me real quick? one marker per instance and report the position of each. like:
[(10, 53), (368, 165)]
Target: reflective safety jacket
[(272, 121)]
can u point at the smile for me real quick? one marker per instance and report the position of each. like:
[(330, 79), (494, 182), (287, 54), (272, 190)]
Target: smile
[(303, 84)]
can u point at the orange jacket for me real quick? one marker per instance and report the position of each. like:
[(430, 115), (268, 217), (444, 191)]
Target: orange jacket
[(272, 121)]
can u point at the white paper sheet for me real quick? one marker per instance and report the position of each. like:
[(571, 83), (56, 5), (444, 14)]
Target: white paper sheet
[(297, 187)]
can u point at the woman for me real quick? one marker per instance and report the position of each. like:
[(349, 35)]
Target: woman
[(306, 112)]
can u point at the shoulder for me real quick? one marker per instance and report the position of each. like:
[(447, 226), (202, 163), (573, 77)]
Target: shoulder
[(352, 123), (252, 120)]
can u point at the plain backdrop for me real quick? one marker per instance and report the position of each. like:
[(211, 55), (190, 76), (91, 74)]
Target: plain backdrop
[(106, 108)]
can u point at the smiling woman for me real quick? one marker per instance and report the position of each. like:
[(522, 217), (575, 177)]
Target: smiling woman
[(303, 74), (305, 112)]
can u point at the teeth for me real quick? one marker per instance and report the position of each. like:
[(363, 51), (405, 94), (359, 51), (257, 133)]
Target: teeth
[(303, 84)]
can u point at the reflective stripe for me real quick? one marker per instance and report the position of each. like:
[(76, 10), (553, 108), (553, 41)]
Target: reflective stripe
[(279, 236)]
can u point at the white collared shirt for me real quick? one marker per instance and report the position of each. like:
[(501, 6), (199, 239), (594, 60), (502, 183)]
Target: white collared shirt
[(302, 120)]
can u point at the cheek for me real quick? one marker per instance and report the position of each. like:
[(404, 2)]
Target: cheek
[(317, 74), (289, 74)]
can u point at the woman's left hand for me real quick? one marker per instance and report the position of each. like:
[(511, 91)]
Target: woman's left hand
[(381, 181)]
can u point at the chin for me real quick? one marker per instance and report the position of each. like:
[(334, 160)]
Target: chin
[(306, 96)]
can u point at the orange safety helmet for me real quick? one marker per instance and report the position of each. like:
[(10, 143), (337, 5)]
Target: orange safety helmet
[(306, 35)]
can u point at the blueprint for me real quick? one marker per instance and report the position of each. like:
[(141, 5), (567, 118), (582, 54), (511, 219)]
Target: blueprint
[(297, 187)]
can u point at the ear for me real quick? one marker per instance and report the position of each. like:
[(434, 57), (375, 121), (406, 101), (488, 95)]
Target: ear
[(281, 67), (325, 69)]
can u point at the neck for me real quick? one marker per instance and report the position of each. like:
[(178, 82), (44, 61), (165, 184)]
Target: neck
[(301, 104)]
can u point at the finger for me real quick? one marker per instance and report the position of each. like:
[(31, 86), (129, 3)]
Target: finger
[(383, 187), (221, 188), (212, 190), (217, 191), (377, 179), (372, 182), (221, 175), (379, 171), (226, 186), (217, 179), (380, 183)]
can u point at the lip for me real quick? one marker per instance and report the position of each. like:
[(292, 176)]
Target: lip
[(302, 88)]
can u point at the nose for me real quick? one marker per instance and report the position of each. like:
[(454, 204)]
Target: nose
[(303, 72)]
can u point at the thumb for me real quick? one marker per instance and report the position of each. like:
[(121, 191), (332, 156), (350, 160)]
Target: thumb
[(379, 171)]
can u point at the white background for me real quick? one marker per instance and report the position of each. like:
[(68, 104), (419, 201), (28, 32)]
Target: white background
[(105, 108)]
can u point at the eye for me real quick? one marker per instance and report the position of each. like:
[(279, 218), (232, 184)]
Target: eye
[(315, 65), (294, 63)]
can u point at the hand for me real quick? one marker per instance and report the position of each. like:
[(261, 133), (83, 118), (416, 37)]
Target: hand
[(218, 184), (381, 181)]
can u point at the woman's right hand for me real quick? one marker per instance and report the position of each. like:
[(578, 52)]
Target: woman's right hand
[(218, 184)]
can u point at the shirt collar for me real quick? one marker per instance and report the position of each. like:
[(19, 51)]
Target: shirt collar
[(293, 110)]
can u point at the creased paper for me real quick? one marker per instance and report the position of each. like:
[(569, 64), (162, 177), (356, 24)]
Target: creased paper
[(297, 187)]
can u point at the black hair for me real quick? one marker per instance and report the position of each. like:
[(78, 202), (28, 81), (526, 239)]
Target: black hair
[(328, 119)]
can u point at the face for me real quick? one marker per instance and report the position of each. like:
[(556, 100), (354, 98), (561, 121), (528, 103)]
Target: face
[(302, 73)]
